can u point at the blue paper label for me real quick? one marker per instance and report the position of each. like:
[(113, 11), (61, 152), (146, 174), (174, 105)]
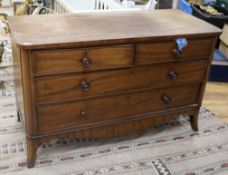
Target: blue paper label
[(181, 43)]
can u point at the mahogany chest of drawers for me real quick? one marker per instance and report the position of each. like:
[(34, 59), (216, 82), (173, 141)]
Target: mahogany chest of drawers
[(107, 74)]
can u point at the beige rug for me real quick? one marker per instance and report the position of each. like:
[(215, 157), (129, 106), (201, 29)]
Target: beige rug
[(168, 149)]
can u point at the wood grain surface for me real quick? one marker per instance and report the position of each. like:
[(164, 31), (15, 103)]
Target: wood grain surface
[(163, 51), (60, 116), (100, 28), (71, 60), (59, 88)]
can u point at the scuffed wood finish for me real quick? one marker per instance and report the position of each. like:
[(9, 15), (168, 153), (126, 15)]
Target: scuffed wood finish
[(102, 75), (28, 97), (18, 80), (194, 120), (32, 147), (102, 28), (65, 61)]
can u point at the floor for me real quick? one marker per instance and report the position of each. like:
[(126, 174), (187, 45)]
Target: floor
[(216, 99)]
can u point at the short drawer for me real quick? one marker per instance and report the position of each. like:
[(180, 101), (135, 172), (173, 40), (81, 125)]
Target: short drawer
[(166, 51), (76, 60), (97, 83), (59, 116)]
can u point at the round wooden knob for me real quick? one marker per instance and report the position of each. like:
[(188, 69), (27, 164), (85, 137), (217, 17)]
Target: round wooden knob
[(172, 75), (166, 99), (86, 62), (177, 53), (85, 86)]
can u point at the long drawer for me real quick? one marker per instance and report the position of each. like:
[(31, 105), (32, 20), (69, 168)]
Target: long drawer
[(97, 83), (84, 59), (166, 51), (58, 116)]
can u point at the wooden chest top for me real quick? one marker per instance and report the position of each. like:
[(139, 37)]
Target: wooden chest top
[(84, 29)]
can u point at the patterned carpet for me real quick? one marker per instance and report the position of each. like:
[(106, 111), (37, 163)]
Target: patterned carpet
[(171, 148), (168, 149)]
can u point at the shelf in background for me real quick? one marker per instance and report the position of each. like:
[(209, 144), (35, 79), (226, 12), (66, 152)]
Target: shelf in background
[(219, 68)]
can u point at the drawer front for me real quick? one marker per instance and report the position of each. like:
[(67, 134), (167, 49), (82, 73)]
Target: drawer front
[(58, 116), (90, 84), (165, 51), (74, 60)]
